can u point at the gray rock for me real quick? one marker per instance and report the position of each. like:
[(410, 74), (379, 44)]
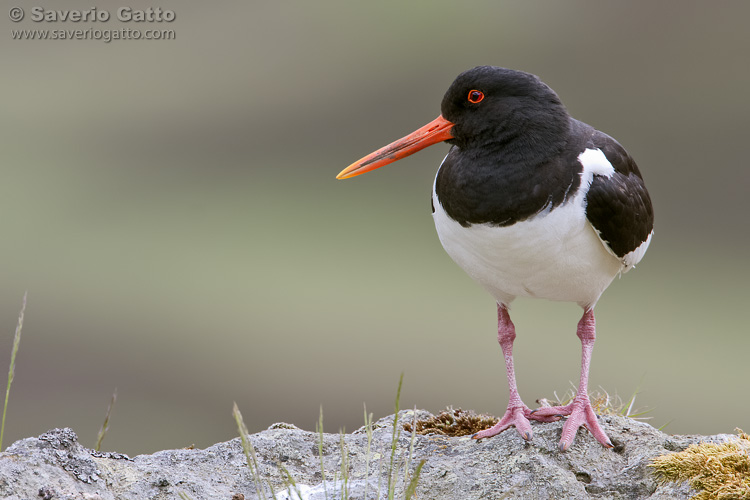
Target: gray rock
[(55, 466)]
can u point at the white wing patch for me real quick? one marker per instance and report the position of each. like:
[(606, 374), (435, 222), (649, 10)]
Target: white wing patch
[(595, 163)]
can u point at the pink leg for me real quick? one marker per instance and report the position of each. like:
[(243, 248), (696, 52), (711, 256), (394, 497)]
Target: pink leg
[(580, 413), (517, 413)]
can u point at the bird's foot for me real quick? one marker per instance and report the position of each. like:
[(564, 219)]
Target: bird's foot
[(580, 414), (516, 415)]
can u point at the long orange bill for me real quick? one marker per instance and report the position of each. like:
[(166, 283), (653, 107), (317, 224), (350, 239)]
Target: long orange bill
[(438, 130)]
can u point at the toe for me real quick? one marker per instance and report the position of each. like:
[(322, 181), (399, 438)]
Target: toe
[(596, 430), (523, 426), (549, 413), (583, 416), (514, 416)]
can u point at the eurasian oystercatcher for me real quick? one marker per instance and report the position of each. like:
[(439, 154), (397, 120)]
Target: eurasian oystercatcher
[(530, 202)]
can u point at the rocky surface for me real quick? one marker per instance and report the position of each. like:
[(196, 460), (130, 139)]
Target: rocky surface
[(55, 466)]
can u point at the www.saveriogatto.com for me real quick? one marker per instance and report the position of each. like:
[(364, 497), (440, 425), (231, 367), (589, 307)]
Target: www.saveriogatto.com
[(95, 23)]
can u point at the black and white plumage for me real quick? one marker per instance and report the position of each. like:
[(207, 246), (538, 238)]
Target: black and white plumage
[(530, 202), (521, 199), (567, 243)]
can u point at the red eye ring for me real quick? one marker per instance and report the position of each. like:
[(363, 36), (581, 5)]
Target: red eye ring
[(475, 96)]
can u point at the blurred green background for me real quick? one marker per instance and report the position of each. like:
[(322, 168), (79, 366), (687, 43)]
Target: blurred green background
[(171, 208)]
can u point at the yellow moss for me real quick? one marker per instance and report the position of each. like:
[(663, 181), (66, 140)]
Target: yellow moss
[(716, 471)]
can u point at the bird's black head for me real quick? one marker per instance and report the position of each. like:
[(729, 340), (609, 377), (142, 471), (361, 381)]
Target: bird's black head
[(486, 111), (497, 106)]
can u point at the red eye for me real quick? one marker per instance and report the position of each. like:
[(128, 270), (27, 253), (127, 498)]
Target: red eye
[(475, 96)]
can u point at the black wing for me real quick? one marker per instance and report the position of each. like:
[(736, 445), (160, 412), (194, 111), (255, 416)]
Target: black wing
[(619, 206)]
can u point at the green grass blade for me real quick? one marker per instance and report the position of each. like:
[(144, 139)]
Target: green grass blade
[(412, 488), (344, 466), (394, 443), (12, 369), (368, 430), (319, 428), (289, 482), (411, 446), (247, 447), (380, 474), (105, 424), (665, 425)]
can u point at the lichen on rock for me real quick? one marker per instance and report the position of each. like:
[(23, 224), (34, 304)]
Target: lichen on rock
[(718, 471)]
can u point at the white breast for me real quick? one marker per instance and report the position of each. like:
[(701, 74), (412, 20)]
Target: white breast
[(555, 255)]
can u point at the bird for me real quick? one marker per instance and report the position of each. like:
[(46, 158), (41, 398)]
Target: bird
[(530, 202)]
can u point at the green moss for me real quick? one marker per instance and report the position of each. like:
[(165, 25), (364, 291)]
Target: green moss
[(716, 471)]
